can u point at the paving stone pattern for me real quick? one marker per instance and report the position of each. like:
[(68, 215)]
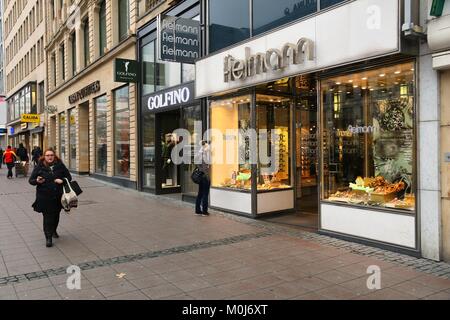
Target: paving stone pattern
[(164, 251)]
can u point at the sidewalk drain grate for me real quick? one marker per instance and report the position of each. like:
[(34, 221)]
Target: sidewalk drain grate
[(130, 258)]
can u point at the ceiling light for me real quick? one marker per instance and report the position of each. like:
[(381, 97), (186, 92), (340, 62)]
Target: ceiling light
[(355, 87), (382, 75), (350, 81), (365, 78), (364, 88), (338, 83), (397, 72)]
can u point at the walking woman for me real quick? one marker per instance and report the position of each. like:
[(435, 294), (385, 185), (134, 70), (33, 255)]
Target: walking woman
[(49, 176)]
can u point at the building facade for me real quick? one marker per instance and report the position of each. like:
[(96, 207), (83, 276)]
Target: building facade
[(3, 104), (340, 92), (92, 123), (438, 59), (24, 70)]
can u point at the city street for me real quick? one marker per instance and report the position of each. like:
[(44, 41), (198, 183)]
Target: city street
[(131, 245)]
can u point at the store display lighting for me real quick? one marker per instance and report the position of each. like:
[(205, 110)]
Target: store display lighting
[(397, 72), (382, 75)]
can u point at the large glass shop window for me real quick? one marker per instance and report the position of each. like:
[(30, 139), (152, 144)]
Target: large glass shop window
[(101, 106), (122, 132), (368, 138), (148, 150), (273, 129), (72, 140), (62, 136), (231, 167)]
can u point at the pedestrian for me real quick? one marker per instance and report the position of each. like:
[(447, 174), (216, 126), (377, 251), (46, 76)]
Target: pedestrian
[(8, 158), (22, 153), (203, 161), (1, 156), (36, 155), (48, 176)]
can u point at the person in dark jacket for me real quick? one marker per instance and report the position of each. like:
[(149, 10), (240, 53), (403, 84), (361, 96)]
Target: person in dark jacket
[(48, 176), (36, 154), (8, 158), (1, 157), (203, 161)]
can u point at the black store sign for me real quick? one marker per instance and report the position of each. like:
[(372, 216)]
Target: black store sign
[(169, 99), (83, 93), (125, 70), (179, 39)]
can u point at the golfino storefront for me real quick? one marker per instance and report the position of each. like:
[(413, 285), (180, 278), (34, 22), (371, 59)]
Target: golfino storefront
[(334, 111)]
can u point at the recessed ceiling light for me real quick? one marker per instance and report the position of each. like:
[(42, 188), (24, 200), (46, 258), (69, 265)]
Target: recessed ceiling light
[(371, 89), (338, 83), (348, 92), (412, 69), (382, 75), (365, 78), (397, 72), (350, 81), (355, 87), (364, 88)]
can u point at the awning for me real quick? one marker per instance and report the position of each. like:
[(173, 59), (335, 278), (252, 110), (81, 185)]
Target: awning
[(37, 130)]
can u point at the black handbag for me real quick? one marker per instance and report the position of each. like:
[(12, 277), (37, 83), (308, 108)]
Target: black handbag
[(75, 187), (197, 175)]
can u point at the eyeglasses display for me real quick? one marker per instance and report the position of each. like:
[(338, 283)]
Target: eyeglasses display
[(368, 152)]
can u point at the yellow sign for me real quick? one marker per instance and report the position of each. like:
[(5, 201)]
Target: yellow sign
[(33, 118)]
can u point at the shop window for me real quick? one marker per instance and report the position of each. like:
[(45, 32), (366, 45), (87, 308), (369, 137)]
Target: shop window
[(101, 147), (62, 136), (368, 136), (273, 128), (269, 14), (148, 151), (122, 132), (72, 140), (229, 23), (148, 64), (231, 167), (168, 74)]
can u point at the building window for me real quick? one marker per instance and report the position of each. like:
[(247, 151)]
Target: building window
[(72, 140), (122, 132), (53, 59), (148, 65), (101, 107), (73, 42), (268, 14), (368, 136), (41, 97), (102, 28), (229, 23), (62, 136), (124, 18), (63, 62), (329, 3), (86, 42)]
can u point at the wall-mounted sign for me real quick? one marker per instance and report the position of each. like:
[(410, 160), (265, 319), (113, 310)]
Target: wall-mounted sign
[(31, 118), (179, 39), (24, 126), (2, 130), (125, 70), (169, 99), (83, 93), (356, 31), (11, 131)]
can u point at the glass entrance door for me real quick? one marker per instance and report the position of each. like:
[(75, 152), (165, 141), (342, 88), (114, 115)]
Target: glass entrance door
[(306, 131)]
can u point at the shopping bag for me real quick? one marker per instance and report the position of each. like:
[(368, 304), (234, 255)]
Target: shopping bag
[(69, 198)]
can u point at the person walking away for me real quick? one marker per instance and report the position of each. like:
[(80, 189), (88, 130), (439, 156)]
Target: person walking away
[(36, 155), (203, 161), (1, 157), (8, 158), (22, 153), (48, 177)]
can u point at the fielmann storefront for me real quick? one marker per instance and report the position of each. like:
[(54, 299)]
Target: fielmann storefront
[(340, 96)]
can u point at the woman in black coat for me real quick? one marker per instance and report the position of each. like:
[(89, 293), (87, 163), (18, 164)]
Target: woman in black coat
[(49, 176)]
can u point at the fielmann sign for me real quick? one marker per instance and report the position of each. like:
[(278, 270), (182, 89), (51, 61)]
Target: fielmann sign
[(179, 39)]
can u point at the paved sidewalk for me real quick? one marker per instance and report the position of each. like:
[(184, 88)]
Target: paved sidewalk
[(135, 246)]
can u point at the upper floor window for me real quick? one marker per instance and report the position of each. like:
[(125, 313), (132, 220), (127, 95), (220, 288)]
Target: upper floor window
[(124, 18), (102, 28)]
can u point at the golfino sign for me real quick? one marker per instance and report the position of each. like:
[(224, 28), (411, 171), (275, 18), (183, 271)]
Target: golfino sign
[(169, 99), (272, 59)]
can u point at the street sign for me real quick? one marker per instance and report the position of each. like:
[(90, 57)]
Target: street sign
[(179, 39), (126, 70), (30, 118)]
